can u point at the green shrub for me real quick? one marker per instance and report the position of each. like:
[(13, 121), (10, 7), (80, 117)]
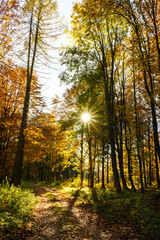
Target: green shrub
[(54, 184), (16, 208)]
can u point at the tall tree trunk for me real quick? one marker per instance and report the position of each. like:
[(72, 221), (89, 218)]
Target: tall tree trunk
[(103, 155), (81, 160), (109, 98), (128, 143), (137, 133), (143, 158), (128, 148), (120, 152), (18, 164), (17, 170), (113, 150), (157, 168), (94, 158), (154, 11), (90, 179), (98, 172), (149, 156), (107, 163)]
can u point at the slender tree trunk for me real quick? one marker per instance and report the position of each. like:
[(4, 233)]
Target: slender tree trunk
[(98, 173), (157, 168), (143, 160), (113, 151), (149, 155), (120, 152), (94, 158), (127, 142), (154, 18), (90, 158), (81, 160), (137, 134), (128, 148), (155, 130), (17, 169), (103, 155), (107, 163)]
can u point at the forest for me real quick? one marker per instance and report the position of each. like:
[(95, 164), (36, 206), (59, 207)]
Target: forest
[(103, 133)]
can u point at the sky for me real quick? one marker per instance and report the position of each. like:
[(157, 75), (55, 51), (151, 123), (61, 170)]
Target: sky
[(51, 83)]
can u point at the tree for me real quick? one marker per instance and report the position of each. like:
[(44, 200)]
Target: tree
[(100, 37), (143, 17), (12, 92), (9, 20), (40, 14)]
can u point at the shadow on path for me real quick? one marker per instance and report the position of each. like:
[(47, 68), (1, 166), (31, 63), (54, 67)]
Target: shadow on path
[(60, 218)]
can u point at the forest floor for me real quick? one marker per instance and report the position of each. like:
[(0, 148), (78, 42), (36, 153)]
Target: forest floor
[(60, 216)]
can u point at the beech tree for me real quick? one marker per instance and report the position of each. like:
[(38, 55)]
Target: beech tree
[(143, 17), (105, 47), (100, 38), (9, 21), (12, 92)]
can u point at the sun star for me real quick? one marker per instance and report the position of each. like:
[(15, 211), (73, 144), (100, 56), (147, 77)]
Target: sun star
[(86, 117)]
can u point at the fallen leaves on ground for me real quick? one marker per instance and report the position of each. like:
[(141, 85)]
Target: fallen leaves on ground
[(59, 216)]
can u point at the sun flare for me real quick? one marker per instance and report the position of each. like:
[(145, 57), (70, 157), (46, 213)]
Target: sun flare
[(86, 117)]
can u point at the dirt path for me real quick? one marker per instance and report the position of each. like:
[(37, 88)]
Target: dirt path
[(59, 217)]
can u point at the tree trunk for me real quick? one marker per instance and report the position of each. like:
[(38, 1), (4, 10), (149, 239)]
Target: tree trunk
[(17, 169), (120, 152), (109, 98), (98, 173), (90, 180), (107, 163), (137, 134), (127, 142), (81, 160), (143, 160), (128, 148), (103, 155), (149, 155), (94, 158)]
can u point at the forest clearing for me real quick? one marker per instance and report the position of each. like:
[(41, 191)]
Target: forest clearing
[(84, 164)]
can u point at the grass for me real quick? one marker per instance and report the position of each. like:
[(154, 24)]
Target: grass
[(16, 210), (140, 211)]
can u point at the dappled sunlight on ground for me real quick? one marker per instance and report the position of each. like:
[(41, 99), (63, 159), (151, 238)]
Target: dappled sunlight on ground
[(61, 216)]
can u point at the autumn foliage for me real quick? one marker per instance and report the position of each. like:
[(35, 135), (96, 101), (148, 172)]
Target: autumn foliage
[(113, 66)]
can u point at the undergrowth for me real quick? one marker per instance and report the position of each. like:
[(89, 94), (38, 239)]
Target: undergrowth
[(140, 211), (16, 210)]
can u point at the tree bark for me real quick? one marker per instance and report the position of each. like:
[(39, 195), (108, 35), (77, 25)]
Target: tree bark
[(137, 134), (17, 170), (81, 160), (103, 155), (90, 180)]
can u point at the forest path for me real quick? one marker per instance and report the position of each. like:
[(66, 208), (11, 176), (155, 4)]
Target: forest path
[(59, 216)]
